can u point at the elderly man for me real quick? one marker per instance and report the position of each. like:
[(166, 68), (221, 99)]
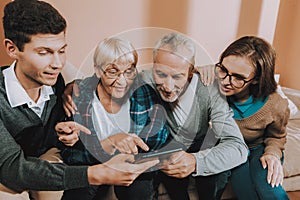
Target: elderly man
[(190, 107)]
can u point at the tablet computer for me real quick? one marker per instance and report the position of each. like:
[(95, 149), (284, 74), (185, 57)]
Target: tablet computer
[(160, 154)]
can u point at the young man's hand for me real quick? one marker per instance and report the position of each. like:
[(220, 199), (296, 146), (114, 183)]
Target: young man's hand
[(119, 170), (68, 132)]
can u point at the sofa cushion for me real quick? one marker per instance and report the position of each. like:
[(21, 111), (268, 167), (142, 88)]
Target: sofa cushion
[(294, 98), (291, 93), (291, 163), (291, 183)]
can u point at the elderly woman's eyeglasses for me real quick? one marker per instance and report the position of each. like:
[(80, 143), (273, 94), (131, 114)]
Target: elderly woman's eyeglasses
[(114, 73), (235, 80)]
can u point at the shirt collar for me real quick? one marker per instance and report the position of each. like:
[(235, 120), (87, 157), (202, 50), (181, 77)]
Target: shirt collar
[(16, 94)]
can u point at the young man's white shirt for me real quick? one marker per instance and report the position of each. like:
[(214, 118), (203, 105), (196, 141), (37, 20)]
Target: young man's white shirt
[(17, 95)]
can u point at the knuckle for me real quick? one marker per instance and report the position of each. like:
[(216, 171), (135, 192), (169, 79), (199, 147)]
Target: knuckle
[(130, 182), (127, 151), (118, 143), (180, 176)]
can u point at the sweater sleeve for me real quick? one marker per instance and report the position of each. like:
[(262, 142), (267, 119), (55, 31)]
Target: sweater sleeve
[(231, 149), (275, 133), (20, 173)]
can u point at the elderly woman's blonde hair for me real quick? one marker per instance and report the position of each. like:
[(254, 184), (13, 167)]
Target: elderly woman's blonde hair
[(112, 49)]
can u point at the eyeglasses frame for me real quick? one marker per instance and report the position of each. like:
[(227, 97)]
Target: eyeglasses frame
[(119, 72), (220, 65)]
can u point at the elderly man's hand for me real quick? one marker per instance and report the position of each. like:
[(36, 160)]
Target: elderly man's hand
[(179, 165)]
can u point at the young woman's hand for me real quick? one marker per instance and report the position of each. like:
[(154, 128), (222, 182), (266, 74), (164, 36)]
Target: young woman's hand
[(207, 74), (275, 169)]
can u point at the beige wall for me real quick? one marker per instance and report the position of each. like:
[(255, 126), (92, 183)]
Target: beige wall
[(200, 19), (287, 43), (213, 24)]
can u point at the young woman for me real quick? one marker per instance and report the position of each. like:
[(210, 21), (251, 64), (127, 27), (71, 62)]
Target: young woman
[(245, 74)]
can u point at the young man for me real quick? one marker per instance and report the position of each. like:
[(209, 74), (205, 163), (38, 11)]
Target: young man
[(31, 105)]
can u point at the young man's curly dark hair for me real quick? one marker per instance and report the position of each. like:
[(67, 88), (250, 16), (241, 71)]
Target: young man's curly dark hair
[(21, 22)]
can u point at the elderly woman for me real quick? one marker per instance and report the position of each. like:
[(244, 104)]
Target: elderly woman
[(118, 110)]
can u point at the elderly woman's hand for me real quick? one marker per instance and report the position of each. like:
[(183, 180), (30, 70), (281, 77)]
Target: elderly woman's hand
[(124, 143)]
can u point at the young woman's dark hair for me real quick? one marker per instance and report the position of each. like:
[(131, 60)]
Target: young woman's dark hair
[(21, 22), (262, 56)]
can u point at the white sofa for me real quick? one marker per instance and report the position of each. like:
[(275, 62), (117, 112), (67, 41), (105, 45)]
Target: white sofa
[(291, 164)]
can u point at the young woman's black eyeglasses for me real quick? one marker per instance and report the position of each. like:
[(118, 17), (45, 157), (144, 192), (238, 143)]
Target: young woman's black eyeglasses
[(235, 80)]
